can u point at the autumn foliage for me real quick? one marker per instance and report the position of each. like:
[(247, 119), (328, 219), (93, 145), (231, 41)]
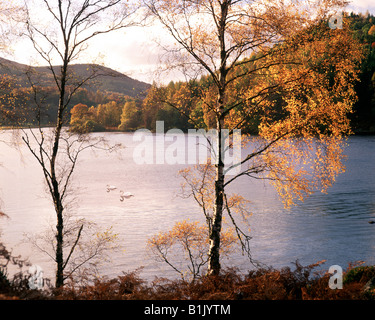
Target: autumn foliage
[(190, 239), (276, 67), (298, 283)]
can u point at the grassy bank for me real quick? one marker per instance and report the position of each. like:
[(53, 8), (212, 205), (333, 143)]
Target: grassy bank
[(302, 283)]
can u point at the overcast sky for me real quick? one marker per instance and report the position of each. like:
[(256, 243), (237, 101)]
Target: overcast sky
[(134, 51)]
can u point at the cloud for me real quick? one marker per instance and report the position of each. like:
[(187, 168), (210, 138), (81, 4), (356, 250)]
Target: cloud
[(132, 51), (362, 6)]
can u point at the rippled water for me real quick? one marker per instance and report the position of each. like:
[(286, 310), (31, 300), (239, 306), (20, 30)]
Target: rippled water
[(331, 226)]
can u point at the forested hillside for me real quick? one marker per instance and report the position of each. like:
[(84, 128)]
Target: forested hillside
[(22, 87), (191, 98), (114, 101)]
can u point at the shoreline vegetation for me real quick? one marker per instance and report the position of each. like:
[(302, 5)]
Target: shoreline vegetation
[(116, 130), (302, 283)]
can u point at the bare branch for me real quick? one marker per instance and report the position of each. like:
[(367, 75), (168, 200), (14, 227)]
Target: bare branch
[(73, 247)]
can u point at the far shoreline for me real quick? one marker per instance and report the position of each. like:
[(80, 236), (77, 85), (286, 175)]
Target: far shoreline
[(116, 130)]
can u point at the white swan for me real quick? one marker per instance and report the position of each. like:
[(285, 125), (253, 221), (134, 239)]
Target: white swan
[(125, 195), (110, 188)]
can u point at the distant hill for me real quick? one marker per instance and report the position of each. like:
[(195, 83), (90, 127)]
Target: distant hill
[(106, 79)]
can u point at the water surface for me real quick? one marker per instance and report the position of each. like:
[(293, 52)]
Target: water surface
[(331, 226)]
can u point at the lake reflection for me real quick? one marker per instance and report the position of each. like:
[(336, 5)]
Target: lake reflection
[(331, 226)]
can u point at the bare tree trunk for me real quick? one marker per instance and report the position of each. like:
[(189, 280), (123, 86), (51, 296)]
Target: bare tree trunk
[(59, 209), (59, 250), (55, 184), (214, 251)]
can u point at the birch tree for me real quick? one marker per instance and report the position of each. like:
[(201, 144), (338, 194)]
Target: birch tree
[(60, 36), (276, 62)]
